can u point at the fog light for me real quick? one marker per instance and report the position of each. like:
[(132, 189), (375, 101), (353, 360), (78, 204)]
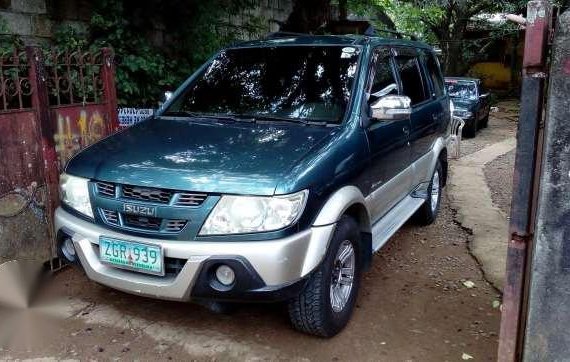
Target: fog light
[(225, 275), (68, 250)]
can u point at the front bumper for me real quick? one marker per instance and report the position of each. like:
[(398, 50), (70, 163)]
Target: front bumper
[(266, 268)]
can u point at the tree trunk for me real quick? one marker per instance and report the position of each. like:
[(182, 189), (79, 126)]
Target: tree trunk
[(342, 9), (307, 16), (454, 62), (453, 59)]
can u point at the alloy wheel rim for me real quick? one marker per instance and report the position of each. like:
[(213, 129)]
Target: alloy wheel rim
[(435, 191), (342, 277)]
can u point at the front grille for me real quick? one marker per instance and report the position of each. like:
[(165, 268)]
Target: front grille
[(112, 214), (155, 195), (142, 222), (190, 199), (174, 226), (112, 217), (147, 194), (106, 189)]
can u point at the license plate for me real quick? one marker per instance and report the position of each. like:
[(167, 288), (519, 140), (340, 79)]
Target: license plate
[(141, 257)]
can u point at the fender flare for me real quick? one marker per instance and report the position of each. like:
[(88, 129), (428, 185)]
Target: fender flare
[(338, 203)]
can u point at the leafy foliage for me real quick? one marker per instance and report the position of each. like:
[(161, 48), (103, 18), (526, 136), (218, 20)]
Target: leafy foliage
[(157, 43)]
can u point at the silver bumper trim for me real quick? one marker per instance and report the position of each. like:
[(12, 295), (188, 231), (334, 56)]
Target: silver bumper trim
[(277, 262)]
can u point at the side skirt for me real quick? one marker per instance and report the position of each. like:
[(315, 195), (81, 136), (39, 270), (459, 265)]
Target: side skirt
[(387, 226)]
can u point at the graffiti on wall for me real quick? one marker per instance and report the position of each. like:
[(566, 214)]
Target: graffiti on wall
[(77, 131)]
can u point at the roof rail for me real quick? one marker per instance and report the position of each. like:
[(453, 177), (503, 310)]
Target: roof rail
[(284, 34), (345, 28)]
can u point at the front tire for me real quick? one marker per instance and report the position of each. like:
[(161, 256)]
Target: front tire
[(326, 304), (485, 122), (470, 129), (427, 213)]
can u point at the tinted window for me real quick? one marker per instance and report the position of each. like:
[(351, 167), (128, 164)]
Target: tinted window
[(435, 74), (313, 83), (383, 75), (412, 83)]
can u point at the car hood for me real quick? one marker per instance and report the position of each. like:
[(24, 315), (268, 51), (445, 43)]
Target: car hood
[(208, 156), (464, 103)]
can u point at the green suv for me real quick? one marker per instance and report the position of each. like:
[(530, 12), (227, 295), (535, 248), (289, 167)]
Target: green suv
[(272, 174)]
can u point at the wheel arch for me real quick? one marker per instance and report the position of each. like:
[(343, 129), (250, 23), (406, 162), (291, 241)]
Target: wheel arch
[(349, 201)]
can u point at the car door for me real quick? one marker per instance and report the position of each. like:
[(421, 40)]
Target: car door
[(389, 176), (428, 105)]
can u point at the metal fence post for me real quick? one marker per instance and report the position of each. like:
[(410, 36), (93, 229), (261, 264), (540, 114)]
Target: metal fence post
[(40, 103), (109, 90), (527, 166)]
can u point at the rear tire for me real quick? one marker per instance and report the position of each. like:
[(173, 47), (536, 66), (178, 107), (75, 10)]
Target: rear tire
[(326, 304), (427, 213)]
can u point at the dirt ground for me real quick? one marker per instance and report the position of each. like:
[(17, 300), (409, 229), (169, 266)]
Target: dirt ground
[(414, 305)]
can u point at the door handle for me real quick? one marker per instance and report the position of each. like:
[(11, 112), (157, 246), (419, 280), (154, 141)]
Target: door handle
[(406, 130)]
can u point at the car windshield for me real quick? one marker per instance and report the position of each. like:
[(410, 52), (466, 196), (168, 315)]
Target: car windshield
[(290, 83), (457, 89)]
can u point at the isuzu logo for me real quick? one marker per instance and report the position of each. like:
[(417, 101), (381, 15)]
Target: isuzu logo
[(139, 210)]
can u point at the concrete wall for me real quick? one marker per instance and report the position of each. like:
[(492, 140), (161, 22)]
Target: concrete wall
[(547, 337), (27, 18), (272, 13)]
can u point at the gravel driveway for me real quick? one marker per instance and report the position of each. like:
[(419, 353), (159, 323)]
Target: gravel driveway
[(499, 176)]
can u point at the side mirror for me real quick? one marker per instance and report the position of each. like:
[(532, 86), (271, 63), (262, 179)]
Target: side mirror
[(391, 108)]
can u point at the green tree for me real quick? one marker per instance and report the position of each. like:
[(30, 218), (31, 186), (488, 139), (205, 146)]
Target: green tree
[(448, 21)]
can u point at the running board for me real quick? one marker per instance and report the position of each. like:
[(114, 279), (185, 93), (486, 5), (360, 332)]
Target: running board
[(387, 226)]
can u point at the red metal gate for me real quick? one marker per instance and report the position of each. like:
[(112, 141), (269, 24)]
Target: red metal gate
[(52, 104)]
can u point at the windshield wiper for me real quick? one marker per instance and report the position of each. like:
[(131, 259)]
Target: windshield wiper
[(219, 116), (273, 118), (250, 118)]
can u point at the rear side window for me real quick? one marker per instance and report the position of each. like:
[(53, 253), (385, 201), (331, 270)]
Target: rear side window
[(435, 74), (412, 82)]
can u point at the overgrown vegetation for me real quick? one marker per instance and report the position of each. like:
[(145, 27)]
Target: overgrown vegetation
[(157, 43)]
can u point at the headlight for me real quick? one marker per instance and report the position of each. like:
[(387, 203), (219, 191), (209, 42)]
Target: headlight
[(462, 113), (74, 192), (250, 214)]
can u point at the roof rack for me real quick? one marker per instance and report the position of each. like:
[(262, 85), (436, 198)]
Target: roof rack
[(284, 34), (346, 27)]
